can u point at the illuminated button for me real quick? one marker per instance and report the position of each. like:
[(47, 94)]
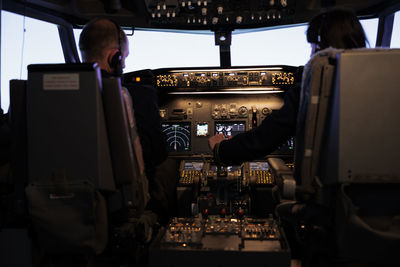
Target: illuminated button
[(220, 9), (240, 212), (223, 211)]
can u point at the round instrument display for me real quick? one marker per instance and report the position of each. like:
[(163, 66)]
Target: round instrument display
[(178, 136)]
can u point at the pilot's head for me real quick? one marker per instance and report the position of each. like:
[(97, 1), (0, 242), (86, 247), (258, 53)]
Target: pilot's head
[(338, 28), (104, 42)]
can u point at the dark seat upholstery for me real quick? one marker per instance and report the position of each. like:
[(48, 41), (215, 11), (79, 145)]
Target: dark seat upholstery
[(347, 173), (84, 158), (69, 163)]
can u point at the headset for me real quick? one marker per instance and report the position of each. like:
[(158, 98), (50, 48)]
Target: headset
[(116, 61), (322, 26)]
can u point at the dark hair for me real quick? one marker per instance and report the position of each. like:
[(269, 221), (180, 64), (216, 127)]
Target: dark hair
[(338, 28), (97, 36)]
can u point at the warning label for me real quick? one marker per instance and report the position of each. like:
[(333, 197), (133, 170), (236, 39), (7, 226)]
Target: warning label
[(66, 81)]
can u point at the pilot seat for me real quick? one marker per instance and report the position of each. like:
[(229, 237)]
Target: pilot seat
[(343, 207), (87, 188)]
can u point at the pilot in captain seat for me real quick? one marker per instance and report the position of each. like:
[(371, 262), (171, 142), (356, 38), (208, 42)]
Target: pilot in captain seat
[(337, 28), (103, 41)]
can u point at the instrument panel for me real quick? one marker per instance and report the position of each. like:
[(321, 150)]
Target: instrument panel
[(221, 208), (210, 78), (192, 232), (189, 120), (202, 14), (196, 103), (230, 128), (218, 214)]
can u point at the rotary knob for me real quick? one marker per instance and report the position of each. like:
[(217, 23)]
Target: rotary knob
[(242, 111), (266, 111)]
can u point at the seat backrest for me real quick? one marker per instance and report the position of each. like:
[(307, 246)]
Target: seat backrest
[(318, 77), (66, 126), (347, 125), (69, 163), (347, 146), (362, 138), (83, 150)]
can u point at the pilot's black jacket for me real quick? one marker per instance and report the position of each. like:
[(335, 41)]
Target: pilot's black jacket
[(147, 115), (148, 121), (152, 139), (267, 137)]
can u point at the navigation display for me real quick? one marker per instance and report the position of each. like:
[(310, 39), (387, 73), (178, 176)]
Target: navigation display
[(193, 165), (259, 166), (202, 129), (178, 135), (230, 128)]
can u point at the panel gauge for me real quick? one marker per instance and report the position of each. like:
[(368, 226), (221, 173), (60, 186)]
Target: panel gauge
[(178, 135)]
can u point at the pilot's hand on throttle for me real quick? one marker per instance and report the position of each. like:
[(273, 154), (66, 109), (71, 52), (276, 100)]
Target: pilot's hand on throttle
[(213, 140)]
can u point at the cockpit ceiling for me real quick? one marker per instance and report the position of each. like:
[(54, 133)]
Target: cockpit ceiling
[(196, 14)]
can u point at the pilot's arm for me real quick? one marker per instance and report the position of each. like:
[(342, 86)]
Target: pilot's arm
[(261, 141)]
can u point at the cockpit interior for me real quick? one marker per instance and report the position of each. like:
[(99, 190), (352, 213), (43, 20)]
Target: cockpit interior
[(74, 190)]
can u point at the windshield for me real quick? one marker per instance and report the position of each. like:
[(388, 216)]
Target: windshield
[(281, 46), (285, 46), (156, 49), (26, 41), (395, 43)]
